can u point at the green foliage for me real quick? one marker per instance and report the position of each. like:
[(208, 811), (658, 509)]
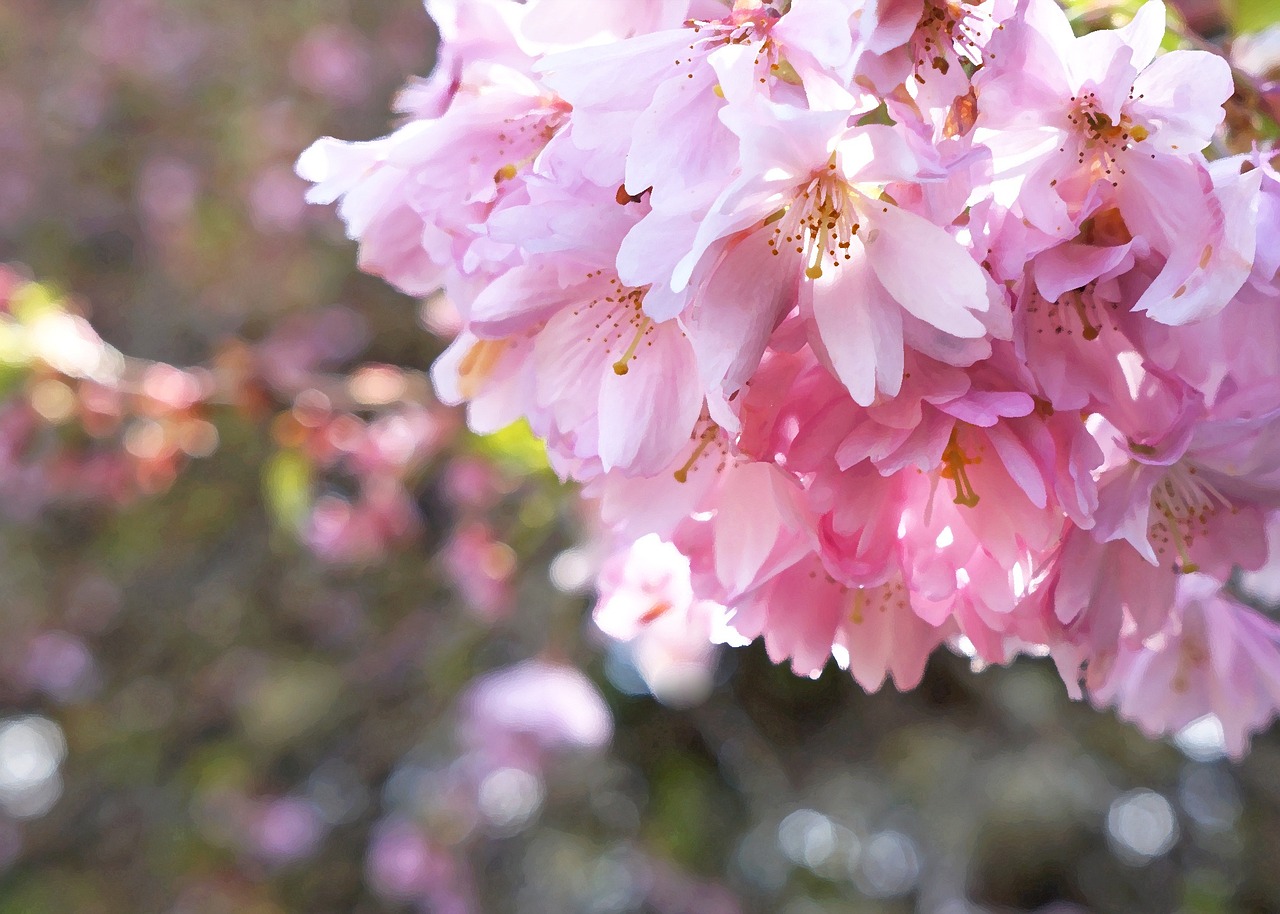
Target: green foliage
[(1255, 15), (514, 448)]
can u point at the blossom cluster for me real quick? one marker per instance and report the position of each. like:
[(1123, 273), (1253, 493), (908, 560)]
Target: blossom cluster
[(901, 323)]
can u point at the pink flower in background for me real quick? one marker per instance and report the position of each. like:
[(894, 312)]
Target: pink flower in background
[(517, 716), (481, 568), (403, 864), (60, 665), (286, 830), (334, 62), (1259, 56)]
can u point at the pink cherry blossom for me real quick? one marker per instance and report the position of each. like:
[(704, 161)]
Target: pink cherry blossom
[(646, 599), (517, 715), (1099, 120), (807, 212), (1216, 656), (867, 328), (404, 198), (872, 630)]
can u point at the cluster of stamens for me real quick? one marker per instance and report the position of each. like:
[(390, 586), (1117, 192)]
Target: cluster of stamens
[(863, 601), (1080, 310), (1103, 140), (623, 321), (1183, 504), (820, 224), (945, 25), (520, 140), (746, 24)]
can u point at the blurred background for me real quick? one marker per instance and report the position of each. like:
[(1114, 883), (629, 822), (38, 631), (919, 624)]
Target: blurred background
[(277, 634)]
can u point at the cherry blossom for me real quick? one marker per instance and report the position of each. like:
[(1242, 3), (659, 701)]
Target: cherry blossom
[(867, 326)]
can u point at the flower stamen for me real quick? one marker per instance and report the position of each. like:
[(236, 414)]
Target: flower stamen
[(682, 474), (620, 367), (820, 224), (954, 463), (1184, 502)]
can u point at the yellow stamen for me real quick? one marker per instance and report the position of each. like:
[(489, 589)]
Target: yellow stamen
[(1090, 331), (682, 474), (620, 366), (954, 462), (1184, 502), (784, 71)]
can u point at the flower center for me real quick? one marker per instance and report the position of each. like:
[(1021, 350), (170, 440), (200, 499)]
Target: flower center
[(1183, 504), (520, 140), (621, 325), (946, 25), (1102, 139), (819, 224), (864, 601), (748, 22), (1078, 310)]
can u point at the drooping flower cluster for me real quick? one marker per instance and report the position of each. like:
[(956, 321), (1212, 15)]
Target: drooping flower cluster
[(904, 322)]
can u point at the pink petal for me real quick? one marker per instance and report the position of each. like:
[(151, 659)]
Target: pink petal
[(926, 271), (647, 415), (1182, 95), (859, 328)]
